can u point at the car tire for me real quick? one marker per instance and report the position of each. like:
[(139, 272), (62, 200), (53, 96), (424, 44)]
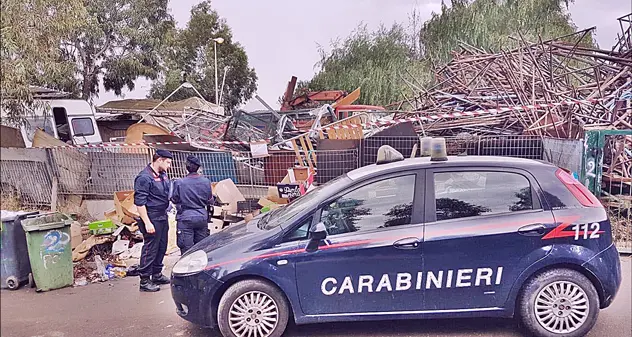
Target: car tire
[(553, 291), (255, 305)]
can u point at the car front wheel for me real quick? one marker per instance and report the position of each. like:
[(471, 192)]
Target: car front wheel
[(252, 308), (559, 302)]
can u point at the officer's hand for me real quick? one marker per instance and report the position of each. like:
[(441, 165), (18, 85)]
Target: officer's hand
[(150, 228)]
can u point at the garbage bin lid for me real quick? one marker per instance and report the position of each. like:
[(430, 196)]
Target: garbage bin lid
[(6, 215), (46, 221)]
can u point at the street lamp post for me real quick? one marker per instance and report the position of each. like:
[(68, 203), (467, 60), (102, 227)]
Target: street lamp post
[(215, 42)]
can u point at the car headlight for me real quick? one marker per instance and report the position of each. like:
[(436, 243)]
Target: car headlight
[(192, 263)]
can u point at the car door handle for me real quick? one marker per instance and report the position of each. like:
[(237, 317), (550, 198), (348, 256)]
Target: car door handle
[(407, 243), (537, 229)]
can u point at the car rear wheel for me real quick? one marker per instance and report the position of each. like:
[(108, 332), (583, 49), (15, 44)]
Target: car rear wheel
[(559, 302), (252, 308)]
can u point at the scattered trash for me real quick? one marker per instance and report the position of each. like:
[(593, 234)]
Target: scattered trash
[(80, 282), (82, 250), (109, 273), (102, 227), (100, 268), (133, 253), (119, 272), (120, 246), (75, 234)]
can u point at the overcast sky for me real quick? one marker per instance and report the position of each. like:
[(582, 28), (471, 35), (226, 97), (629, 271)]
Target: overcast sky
[(281, 37)]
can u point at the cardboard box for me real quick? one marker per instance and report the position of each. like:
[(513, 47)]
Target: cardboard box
[(75, 235), (228, 193), (124, 206), (301, 173), (102, 227)]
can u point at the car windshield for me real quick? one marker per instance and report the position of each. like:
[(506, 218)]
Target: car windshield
[(310, 200)]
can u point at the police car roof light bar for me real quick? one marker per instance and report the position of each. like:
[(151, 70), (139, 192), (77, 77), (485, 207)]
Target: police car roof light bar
[(439, 152), (579, 191), (426, 146)]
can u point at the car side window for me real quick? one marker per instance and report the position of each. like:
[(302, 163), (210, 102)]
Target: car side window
[(300, 233), (469, 194), (381, 204)]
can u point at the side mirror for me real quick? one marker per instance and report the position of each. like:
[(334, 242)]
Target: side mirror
[(316, 234)]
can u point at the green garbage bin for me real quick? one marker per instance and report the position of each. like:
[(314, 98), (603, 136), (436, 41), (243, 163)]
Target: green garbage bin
[(50, 251)]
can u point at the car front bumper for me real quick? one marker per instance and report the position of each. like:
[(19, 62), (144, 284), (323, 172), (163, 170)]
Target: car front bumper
[(193, 296)]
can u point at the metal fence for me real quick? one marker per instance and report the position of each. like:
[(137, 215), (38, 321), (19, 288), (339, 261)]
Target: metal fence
[(25, 176), (99, 172), (566, 153)]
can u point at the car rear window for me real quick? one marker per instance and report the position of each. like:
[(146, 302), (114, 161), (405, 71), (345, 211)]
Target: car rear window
[(470, 194)]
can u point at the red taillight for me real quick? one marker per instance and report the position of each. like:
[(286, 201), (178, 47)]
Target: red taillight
[(579, 191)]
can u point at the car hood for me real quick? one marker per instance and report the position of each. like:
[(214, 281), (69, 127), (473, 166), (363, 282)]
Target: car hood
[(237, 238)]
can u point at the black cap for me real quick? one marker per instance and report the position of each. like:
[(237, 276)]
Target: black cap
[(164, 154), (194, 160)]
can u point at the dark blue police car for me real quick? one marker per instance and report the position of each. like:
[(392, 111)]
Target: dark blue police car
[(412, 239)]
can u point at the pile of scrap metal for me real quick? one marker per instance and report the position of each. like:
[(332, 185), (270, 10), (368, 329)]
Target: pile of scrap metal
[(564, 68), (193, 120), (200, 123)]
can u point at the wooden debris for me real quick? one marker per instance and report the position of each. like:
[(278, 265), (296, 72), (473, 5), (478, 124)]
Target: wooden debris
[(541, 72)]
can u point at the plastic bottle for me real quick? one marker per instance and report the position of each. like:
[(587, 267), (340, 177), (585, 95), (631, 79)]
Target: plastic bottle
[(100, 268)]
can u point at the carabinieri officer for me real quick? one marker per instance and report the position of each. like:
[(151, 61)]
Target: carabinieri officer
[(151, 196), (192, 195)]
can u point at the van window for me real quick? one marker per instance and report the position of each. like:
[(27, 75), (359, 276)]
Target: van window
[(82, 126), (61, 124), (470, 194)]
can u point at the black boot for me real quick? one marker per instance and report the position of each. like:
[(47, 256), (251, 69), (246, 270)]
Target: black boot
[(160, 279), (147, 285)]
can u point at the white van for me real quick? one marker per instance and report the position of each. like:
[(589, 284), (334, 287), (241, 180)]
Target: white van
[(70, 120)]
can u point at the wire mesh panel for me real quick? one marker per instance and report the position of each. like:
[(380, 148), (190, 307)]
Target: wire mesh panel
[(98, 171), (617, 187), (28, 181), (332, 164), (529, 147), (462, 145), (275, 167), (115, 169), (216, 166), (565, 153)]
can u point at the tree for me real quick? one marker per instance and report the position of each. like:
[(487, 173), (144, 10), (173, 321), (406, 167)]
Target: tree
[(190, 51), (399, 215), (488, 24), (448, 208), (373, 61), (377, 60), (30, 32), (119, 44)]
